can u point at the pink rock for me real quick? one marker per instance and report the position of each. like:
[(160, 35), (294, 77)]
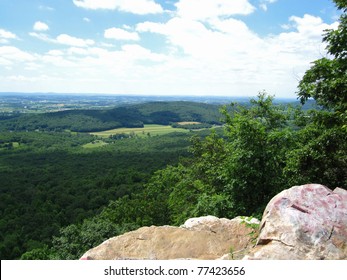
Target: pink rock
[(304, 222)]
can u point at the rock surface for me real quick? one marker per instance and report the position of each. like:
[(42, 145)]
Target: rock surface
[(199, 238), (304, 222)]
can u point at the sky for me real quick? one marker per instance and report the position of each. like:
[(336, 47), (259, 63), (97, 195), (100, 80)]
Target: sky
[(161, 47)]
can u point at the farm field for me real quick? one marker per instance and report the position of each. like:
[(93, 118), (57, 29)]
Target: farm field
[(94, 144), (185, 123), (148, 129)]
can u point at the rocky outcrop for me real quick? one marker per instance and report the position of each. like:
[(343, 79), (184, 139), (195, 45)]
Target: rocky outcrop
[(199, 238), (304, 222)]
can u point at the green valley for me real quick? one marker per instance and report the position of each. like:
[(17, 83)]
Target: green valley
[(64, 191)]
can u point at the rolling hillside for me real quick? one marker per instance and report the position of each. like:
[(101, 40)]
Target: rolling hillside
[(163, 113)]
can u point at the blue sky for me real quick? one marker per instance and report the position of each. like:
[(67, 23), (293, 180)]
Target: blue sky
[(167, 47)]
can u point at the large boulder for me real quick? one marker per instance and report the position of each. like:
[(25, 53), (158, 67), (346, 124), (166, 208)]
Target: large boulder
[(304, 222), (199, 238)]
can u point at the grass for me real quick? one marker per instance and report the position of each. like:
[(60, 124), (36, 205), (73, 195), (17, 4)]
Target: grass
[(10, 145), (15, 144), (94, 144), (151, 129)]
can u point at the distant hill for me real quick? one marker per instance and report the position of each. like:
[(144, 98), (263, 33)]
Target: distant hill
[(125, 116), (179, 111)]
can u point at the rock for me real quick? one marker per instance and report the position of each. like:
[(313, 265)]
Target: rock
[(304, 222), (199, 238)]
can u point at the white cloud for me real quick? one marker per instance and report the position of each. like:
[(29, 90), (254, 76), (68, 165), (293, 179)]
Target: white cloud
[(55, 52), (196, 40), (106, 45), (42, 37), (86, 19), (13, 55), (5, 36), (45, 8), (137, 52), (21, 78), (140, 7), (310, 25), (205, 9), (73, 41), (64, 39), (40, 26), (286, 26), (264, 4), (226, 54), (206, 53), (59, 62), (78, 51), (121, 34)]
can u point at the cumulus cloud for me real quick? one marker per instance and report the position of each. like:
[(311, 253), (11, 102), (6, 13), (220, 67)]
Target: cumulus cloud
[(121, 34), (5, 36), (310, 25), (205, 9), (225, 53), (40, 26), (11, 54), (73, 41), (56, 52), (140, 7), (63, 39), (42, 37), (202, 49)]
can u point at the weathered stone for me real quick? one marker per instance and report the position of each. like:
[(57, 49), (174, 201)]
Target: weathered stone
[(304, 222), (199, 238)]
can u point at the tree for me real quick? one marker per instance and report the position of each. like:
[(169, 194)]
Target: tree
[(322, 158), (232, 175), (326, 80), (258, 142)]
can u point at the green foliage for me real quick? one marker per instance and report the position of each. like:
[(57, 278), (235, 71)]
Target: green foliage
[(322, 157), (50, 181), (74, 240), (257, 147), (326, 80), (192, 125), (247, 221), (171, 112), (231, 175), (43, 253)]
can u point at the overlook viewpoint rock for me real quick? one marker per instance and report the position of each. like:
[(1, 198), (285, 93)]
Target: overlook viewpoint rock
[(303, 222), (199, 238)]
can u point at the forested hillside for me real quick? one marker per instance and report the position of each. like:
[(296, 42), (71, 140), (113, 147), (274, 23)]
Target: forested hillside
[(128, 116)]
